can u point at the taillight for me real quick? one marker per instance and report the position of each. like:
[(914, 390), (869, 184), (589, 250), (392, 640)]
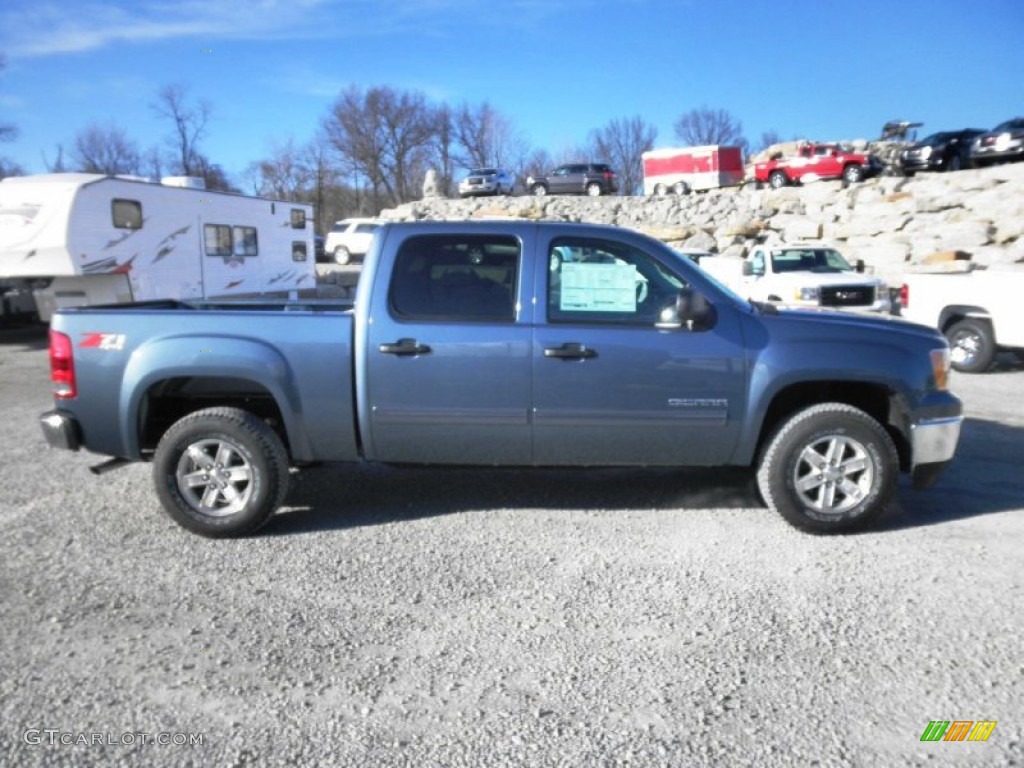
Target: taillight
[(904, 295), (62, 366)]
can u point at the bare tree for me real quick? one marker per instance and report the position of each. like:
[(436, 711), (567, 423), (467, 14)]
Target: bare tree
[(703, 126), (322, 176), (7, 132), (620, 143), (767, 139), (58, 165), (444, 140), (283, 175), (384, 136), (189, 127), (9, 168), (105, 149), (487, 137)]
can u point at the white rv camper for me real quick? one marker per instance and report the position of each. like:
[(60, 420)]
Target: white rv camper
[(82, 239)]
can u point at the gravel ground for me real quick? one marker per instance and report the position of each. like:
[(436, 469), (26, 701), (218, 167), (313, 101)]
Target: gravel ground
[(530, 618)]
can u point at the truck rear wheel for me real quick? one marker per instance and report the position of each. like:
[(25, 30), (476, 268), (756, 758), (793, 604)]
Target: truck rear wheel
[(777, 180), (831, 468), (681, 188), (852, 174), (220, 472), (972, 347)]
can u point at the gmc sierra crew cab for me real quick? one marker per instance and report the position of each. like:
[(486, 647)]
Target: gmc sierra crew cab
[(506, 343)]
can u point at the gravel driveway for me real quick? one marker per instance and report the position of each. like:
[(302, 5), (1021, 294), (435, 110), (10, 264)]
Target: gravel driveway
[(523, 618)]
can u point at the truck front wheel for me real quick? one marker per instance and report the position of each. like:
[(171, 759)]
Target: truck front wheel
[(971, 345), (830, 468), (778, 180), (220, 472)]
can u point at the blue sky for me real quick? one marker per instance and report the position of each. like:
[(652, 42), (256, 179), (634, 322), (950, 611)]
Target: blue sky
[(557, 68)]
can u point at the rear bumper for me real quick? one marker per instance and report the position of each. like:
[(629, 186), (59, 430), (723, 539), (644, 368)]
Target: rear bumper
[(933, 443), (60, 430)]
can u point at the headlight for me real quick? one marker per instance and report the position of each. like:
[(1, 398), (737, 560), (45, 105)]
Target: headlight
[(1003, 140), (806, 294), (926, 152), (940, 367)]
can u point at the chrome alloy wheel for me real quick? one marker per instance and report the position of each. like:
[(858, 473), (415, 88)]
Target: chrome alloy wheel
[(214, 477), (833, 474)]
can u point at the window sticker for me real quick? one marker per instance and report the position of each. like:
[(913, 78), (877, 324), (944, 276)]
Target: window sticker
[(599, 287)]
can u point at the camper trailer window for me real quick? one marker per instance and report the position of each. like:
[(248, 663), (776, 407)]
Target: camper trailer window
[(218, 240), (298, 250), (126, 214), (298, 218), (245, 241)]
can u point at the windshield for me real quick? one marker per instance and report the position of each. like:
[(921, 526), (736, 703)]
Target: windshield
[(482, 172), (934, 139), (809, 260)]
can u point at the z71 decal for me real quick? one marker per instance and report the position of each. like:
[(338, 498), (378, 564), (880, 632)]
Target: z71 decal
[(108, 341)]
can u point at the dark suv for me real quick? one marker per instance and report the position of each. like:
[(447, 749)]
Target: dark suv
[(575, 179), (943, 151)]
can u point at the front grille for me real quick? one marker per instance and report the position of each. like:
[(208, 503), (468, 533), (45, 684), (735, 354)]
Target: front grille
[(847, 296)]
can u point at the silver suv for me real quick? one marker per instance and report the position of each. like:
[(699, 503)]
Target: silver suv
[(592, 179)]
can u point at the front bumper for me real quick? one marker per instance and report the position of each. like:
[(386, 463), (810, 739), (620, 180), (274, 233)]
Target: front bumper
[(933, 443), (483, 188), (61, 430)]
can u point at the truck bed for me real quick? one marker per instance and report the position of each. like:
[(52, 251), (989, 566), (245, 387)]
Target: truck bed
[(156, 357)]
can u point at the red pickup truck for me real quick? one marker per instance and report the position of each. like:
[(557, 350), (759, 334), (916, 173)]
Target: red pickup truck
[(817, 161)]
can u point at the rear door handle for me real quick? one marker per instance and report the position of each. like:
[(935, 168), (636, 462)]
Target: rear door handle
[(404, 347), (570, 351)]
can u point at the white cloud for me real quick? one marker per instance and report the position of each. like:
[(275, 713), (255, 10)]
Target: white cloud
[(31, 29)]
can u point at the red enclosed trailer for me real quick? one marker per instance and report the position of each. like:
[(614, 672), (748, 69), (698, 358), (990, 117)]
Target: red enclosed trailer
[(680, 170)]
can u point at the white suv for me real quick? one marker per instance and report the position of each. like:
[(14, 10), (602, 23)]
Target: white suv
[(349, 238)]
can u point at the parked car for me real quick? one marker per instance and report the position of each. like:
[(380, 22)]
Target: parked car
[(350, 238), (817, 161), (592, 179), (942, 151), (487, 181), (1004, 142)]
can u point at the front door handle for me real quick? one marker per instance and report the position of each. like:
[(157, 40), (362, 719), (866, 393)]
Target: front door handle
[(571, 351), (404, 347)]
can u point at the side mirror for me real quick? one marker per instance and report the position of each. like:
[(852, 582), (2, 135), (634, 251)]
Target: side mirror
[(859, 266), (692, 310)]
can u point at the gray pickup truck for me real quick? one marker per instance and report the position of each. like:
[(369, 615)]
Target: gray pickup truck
[(506, 343)]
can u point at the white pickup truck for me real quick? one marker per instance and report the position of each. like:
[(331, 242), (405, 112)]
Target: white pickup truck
[(802, 275), (980, 312)]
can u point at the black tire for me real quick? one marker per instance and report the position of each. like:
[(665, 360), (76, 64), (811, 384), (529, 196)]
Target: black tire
[(777, 180), (660, 190), (224, 459), (853, 174), (955, 163), (830, 468), (681, 188), (972, 345), (342, 255), (539, 190), (593, 189)]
